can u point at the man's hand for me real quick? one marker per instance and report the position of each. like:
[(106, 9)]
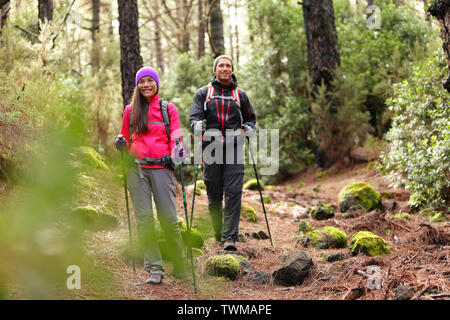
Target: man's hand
[(200, 126), (248, 130)]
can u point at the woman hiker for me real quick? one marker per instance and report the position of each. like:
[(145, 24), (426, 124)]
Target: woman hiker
[(150, 139), (225, 111)]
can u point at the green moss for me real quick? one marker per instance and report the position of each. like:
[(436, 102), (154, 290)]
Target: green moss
[(198, 191), (439, 217), (304, 227), (266, 198), (359, 193), (253, 185), (195, 236), (196, 252), (201, 184), (90, 157), (301, 185), (248, 212), (327, 237), (369, 244), (402, 215), (387, 195), (316, 188), (322, 211), (90, 218), (427, 213), (226, 266), (269, 187)]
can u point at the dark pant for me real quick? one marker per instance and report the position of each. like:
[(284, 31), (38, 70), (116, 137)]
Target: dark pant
[(220, 179)]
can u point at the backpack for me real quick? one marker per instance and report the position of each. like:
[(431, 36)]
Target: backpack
[(234, 96)]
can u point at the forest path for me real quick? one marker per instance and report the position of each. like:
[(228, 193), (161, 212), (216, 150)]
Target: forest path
[(421, 265)]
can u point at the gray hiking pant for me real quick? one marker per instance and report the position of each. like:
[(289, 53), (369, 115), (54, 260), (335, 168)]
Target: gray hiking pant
[(159, 183)]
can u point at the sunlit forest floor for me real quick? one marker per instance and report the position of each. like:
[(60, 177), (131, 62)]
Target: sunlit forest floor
[(419, 258)]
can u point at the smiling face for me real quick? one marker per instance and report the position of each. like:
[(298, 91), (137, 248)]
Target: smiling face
[(147, 87), (224, 70)]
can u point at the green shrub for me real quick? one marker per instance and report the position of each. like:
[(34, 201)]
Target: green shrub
[(419, 157)]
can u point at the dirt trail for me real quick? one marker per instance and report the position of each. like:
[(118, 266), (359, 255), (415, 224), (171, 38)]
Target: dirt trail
[(418, 260)]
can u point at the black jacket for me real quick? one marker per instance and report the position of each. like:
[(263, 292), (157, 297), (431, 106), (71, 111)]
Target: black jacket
[(222, 114)]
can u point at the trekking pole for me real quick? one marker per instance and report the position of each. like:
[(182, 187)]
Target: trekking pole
[(188, 227), (126, 200), (259, 188), (197, 166)]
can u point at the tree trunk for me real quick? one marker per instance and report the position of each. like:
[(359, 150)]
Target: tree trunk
[(4, 14), (323, 58), (201, 31), (158, 44), (322, 42), (95, 30), (45, 10), (216, 38), (130, 56), (440, 9), (185, 33)]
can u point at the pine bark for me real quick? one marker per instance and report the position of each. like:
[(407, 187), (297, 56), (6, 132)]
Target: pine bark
[(440, 9), (158, 43), (130, 56), (322, 42), (45, 10), (216, 38), (4, 14), (201, 31), (95, 30)]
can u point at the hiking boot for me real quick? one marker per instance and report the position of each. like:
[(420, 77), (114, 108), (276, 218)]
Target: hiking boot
[(154, 278), (230, 245)]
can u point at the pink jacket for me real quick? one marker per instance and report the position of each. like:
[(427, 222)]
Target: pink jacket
[(154, 143)]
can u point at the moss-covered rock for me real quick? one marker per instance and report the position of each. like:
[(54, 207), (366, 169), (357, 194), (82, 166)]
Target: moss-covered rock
[(369, 244), (248, 212), (226, 265), (304, 227), (92, 219), (359, 193), (195, 236), (252, 184), (322, 212), (439, 217), (326, 237), (88, 156), (266, 198), (201, 184)]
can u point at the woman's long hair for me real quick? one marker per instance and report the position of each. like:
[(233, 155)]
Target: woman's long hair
[(139, 112)]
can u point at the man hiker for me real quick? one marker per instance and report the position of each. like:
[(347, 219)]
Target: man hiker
[(223, 113)]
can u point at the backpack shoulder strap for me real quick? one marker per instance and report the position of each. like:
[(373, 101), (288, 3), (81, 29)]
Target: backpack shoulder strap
[(236, 97), (165, 115), (209, 94)]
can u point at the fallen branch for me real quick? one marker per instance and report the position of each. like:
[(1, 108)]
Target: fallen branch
[(441, 295)]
